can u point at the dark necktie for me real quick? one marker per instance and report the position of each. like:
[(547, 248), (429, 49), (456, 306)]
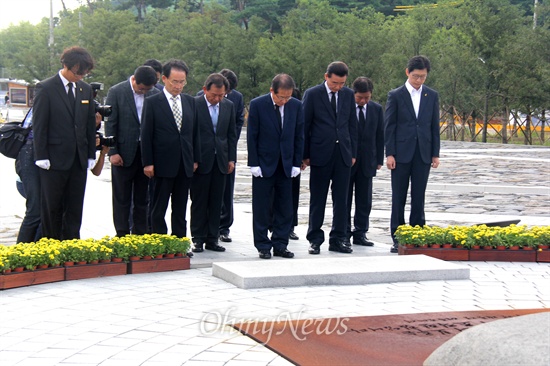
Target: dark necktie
[(362, 120), (70, 94), (278, 114), (333, 101)]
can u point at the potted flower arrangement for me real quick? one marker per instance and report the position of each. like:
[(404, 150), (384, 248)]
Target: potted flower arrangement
[(509, 238), (410, 236)]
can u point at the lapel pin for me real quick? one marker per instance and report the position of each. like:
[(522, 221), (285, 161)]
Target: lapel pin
[(425, 95)]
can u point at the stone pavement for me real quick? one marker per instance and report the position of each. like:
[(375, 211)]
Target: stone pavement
[(182, 317)]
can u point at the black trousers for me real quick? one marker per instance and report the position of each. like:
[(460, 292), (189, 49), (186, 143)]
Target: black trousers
[(335, 175), (360, 185), (295, 199), (226, 217), (417, 172), (207, 192), (177, 189), (130, 198), (62, 194), (276, 212)]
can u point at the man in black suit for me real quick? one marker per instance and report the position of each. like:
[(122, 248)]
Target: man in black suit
[(370, 156), (64, 143), (330, 150), (170, 147), (226, 218), (128, 179), (157, 66), (216, 120), (412, 142), (275, 138)]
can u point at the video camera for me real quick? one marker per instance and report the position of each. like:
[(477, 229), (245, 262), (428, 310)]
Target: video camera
[(104, 111)]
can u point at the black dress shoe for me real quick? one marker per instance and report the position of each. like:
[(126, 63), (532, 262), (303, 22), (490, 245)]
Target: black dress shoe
[(225, 238), (283, 253), (394, 248), (362, 241), (215, 247), (342, 246), (293, 236), (198, 248), (264, 254), (314, 248)]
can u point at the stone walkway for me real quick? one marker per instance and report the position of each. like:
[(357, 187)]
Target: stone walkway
[(182, 317)]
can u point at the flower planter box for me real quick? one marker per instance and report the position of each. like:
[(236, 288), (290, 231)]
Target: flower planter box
[(159, 265), (95, 270), (447, 254), (28, 278), (503, 255), (543, 255)]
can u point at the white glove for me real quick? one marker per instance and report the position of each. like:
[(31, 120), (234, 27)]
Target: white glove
[(256, 171), (44, 164), (91, 163), (295, 171)]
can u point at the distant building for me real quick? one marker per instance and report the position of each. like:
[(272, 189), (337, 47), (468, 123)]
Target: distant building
[(21, 94)]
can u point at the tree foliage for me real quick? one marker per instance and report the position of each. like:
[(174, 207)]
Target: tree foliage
[(486, 55)]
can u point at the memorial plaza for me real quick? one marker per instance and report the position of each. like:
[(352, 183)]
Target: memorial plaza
[(185, 317)]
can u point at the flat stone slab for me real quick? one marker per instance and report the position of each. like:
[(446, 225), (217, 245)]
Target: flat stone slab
[(337, 271)]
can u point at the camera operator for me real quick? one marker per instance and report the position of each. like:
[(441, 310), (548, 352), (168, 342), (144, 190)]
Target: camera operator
[(130, 184), (102, 144), (103, 149)]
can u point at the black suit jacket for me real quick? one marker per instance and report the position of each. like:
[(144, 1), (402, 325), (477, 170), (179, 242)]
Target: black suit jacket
[(403, 131), (323, 129), (162, 145), (221, 145), (237, 99), (59, 133), (370, 144), (123, 123), (267, 143)]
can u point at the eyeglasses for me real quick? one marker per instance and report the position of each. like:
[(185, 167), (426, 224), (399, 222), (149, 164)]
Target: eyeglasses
[(419, 77), (283, 98), (177, 82), (79, 73)]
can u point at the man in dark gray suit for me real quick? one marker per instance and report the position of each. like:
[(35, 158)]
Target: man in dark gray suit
[(216, 120), (128, 180), (170, 147), (275, 140), (412, 142), (330, 149), (64, 143), (370, 156)]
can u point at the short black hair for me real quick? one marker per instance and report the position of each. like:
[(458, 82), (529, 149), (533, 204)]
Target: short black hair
[(337, 67), (218, 80), (145, 75), (282, 81), (77, 56), (362, 85), (418, 63), (174, 64), (231, 77), (155, 64)]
